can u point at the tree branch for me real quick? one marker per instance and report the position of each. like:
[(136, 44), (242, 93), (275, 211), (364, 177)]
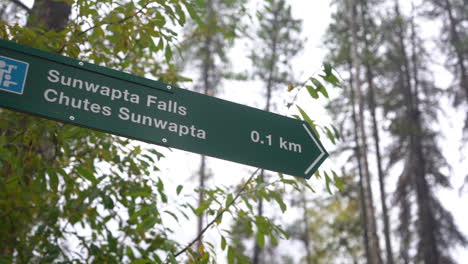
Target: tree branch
[(22, 5), (199, 236), (104, 23)]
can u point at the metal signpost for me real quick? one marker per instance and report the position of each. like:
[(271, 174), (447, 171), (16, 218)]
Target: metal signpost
[(79, 93)]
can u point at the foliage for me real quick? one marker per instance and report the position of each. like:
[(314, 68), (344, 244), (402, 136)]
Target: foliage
[(276, 42), (72, 194), (333, 225)]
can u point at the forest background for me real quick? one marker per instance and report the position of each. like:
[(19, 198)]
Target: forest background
[(260, 49)]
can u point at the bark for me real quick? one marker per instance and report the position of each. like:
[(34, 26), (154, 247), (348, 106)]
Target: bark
[(207, 73), (405, 222), (257, 253), (357, 150), (376, 136), (201, 193), (269, 91), (306, 238), (373, 237), (49, 15)]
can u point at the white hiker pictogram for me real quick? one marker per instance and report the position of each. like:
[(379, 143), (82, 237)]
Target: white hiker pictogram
[(5, 74), (12, 74)]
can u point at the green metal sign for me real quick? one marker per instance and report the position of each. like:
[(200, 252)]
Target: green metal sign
[(76, 92)]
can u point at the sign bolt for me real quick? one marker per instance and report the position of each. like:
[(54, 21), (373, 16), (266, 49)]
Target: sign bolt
[(164, 140), (72, 118), (81, 63), (169, 87)]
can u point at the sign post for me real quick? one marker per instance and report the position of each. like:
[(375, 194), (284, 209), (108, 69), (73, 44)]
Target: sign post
[(79, 93)]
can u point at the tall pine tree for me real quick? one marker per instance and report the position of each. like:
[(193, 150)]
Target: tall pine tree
[(205, 47), (411, 108), (275, 43)]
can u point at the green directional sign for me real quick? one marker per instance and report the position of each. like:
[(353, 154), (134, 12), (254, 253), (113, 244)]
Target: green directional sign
[(76, 92)]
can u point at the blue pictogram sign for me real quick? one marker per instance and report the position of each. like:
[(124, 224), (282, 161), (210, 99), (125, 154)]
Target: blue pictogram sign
[(12, 75)]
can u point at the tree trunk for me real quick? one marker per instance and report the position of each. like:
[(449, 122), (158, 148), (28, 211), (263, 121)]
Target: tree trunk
[(373, 237), (375, 133), (201, 193), (207, 69), (306, 238), (257, 253), (357, 150), (256, 259), (49, 15)]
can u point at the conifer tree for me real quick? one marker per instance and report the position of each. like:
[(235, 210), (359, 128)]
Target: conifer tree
[(346, 42), (453, 40), (371, 44), (412, 106), (205, 47), (275, 43)]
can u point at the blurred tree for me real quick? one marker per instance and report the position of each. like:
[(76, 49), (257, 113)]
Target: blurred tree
[(275, 43), (333, 230), (349, 43), (411, 107), (371, 43), (357, 87), (453, 40), (205, 47)]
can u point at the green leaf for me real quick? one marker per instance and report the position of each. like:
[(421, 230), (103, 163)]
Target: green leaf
[(319, 86), (108, 202), (205, 204), (327, 182), (330, 135), (230, 255), (53, 179), (260, 239), (273, 239), (279, 200), (223, 243), (147, 224), (308, 120), (338, 181), (180, 14), (332, 79), (192, 12), (312, 91), (160, 187), (87, 174), (337, 133), (229, 200), (168, 53), (179, 189), (148, 209), (327, 68), (140, 193), (142, 261), (172, 214)]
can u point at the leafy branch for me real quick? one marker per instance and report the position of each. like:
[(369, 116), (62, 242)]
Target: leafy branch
[(219, 215), (139, 11)]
